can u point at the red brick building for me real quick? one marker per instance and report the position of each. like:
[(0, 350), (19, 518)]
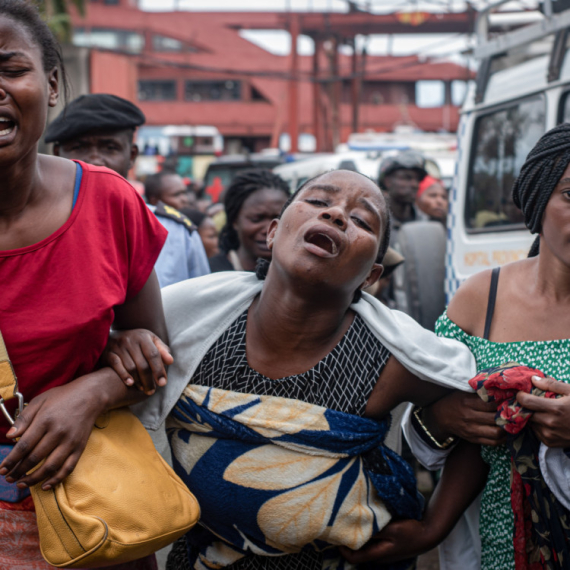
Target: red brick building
[(194, 68)]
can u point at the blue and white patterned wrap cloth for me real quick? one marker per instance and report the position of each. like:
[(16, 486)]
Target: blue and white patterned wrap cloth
[(8, 491), (275, 476)]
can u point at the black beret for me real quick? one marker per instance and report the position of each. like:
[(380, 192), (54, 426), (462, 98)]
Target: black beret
[(97, 111)]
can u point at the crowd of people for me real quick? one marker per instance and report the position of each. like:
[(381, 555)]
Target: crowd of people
[(275, 368)]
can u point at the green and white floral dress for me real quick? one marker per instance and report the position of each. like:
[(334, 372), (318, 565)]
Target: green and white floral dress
[(496, 525)]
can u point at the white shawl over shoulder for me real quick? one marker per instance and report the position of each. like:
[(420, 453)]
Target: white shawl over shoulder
[(199, 310)]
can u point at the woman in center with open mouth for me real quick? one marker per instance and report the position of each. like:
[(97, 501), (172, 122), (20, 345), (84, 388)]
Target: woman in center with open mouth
[(279, 398)]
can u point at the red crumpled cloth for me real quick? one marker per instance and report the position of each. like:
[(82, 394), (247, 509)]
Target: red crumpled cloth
[(542, 526), (501, 384)]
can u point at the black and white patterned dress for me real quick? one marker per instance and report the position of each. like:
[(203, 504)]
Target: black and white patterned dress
[(342, 381)]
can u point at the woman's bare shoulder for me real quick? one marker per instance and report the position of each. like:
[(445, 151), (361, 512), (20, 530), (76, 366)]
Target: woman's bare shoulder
[(468, 307)]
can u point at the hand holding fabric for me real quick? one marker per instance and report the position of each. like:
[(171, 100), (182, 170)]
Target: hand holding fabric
[(502, 386), (466, 416), (551, 418), (139, 358)]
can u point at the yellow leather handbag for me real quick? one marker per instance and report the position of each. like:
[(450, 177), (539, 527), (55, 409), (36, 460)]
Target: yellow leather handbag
[(122, 501)]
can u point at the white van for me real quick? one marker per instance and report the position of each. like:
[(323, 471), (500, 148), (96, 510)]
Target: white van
[(522, 90)]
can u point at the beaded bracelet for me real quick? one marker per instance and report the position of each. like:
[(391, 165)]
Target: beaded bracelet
[(445, 445)]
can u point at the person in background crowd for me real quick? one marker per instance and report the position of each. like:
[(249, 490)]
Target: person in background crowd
[(195, 194), (184, 257), (191, 196), (77, 249), (167, 187), (252, 201), (380, 289), (432, 199), (98, 129), (400, 178), (218, 214), (206, 229)]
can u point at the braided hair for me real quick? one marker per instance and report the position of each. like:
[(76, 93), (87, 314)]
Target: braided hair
[(262, 266), (243, 186), (27, 15), (539, 176)]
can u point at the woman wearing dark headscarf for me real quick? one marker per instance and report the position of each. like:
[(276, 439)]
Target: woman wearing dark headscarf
[(521, 314), (254, 198)]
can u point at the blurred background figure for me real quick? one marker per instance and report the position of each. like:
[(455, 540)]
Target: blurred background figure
[(400, 177), (97, 129), (207, 230), (167, 187), (432, 199), (254, 198), (381, 289), (218, 214)]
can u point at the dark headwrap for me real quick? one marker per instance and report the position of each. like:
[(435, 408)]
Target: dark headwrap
[(539, 175)]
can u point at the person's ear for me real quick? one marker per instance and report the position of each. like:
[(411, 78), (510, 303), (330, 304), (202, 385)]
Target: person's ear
[(134, 155), (53, 87), (373, 276), (271, 233), (56, 149)]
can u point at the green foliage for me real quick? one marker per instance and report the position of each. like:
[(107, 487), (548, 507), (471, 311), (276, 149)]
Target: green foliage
[(56, 13)]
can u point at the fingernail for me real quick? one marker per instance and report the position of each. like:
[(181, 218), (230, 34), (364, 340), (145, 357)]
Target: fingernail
[(11, 432), (3, 471), (9, 479), (129, 382), (162, 381), (537, 378), (150, 392), (22, 485), (46, 487)]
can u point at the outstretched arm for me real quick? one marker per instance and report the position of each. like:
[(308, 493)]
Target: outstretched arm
[(462, 480), (396, 385)]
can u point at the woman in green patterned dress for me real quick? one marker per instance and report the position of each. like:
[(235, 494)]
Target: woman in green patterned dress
[(524, 318)]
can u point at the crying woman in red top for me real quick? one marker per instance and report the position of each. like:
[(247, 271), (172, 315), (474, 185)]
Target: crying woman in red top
[(77, 250)]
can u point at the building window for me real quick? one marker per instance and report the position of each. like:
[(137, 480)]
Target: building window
[(153, 90), (197, 91), (430, 94), (120, 40), (458, 92), (166, 44)]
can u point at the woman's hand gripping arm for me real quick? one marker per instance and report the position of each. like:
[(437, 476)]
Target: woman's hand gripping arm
[(55, 426)]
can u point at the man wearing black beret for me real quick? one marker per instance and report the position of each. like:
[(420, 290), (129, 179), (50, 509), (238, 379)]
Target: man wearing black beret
[(99, 129)]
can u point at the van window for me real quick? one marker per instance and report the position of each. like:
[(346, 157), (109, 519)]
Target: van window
[(501, 143)]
